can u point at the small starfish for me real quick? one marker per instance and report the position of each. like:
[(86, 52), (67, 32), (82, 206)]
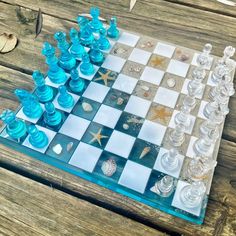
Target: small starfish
[(105, 77), (97, 137), (157, 61), (159, 113)]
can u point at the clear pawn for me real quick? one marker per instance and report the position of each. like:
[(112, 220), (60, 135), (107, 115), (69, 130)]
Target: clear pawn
[(86, 35), (37, 138), (95, 23), (103, 42), (177, 135), (170, 160), (204, 59), (76, 50), (42, 91), (165, 186), (191, 195), (76, 83), (52, 117), (86, 67), (95, 53), (65, 99), (66, 60), (55, 73), (15, 128), (112, 31), (183, 117)]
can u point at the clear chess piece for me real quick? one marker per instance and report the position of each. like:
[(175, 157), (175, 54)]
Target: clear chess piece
[(191, 195), (170, 160), (165, 186), (177, 135), (204, 58)]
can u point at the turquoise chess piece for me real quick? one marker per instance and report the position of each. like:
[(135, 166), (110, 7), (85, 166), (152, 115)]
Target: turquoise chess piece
[(30, 104), (76, 50), (55, 73), (86, 67), (112, 31), (66, 60), (52, 117), (15, 128), (37, 138), (86, 35), (65, 99), (95, 54), (76, 83), (104, 43), (42, 91), (95, 24)]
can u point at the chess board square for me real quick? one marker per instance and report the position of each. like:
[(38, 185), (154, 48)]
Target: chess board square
[(185, 89), (121, 50), (158, 166), (146, 43), (166, 97), (74, 127), (179, 204), (165, 50), (178, 68), (135, 176), (152, 132), (139, 56), (85, 157), (189, 129), (159, 62), (105, 77), (107, 116), (133, 69), (96, 92), (152, 75), (49, 133), (50, 83), (194, 61), (128, 39), (137, 106), (210, 81), (88, 77), (113, 63), (201, 109), (125, 83), (120, 144), (57, 105)]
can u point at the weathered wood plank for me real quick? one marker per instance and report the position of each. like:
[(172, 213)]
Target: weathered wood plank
[(30, 208)]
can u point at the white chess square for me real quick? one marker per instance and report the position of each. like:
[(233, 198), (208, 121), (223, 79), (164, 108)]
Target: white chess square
[(166, 97), (112, 43), (107, 116), (135, 176), (210, 81), (125, 83), (194, 61), (201, 109), (185, 89), (128, 39), (158, 166), (176, 202), (56, 104), (138, 106), (74, 126), (152, 132), (164, 50), (178, 68), (96, 92), (189, 129), (88, 77), (152, 75), (120, 144), (139, 56), (20, 114), (113, 63), (50, 83), (85, 157), (49, 133)]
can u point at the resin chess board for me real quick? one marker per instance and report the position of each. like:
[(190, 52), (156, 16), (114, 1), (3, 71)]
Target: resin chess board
[(124, 115)]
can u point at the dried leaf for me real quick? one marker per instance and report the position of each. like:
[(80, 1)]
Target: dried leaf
[(90, 17), (227, 2), (131, 4), (7, 42), (39, 23)]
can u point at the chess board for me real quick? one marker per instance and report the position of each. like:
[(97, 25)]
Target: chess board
[(125, 114)]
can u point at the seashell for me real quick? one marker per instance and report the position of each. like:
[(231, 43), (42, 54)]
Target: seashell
[(146, 88), (87, 107), (147, 45), (109, 167), (125, 126), (120, 101), (145, 151), (119, 50), (171, 82), (184, 57), (57, 149), (69, 146)]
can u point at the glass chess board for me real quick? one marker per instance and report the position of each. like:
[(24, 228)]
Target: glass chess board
[(124, 115)]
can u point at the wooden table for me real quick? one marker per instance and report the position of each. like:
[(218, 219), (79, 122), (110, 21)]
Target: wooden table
[(37, 199)]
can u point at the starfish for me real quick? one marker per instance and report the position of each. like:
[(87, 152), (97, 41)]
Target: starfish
[(159, 113), (157, 61), (105, 77), (97, 137)]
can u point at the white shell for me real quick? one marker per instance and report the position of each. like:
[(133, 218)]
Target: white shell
[(69, 146), (57, 149), (125, 126), (87, 107), (171, 83), (145, 88), (120, 101), (109, 167)]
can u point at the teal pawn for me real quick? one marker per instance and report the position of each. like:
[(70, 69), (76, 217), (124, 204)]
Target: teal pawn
[(95, 54), (15, 128), (112, 31), (37, 138), (65, 99), (104, 43), (30, 104), (52, 117), (76, 83), (76, 50), (95, 24), (86, 35), (86, 67), (43, 92)]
